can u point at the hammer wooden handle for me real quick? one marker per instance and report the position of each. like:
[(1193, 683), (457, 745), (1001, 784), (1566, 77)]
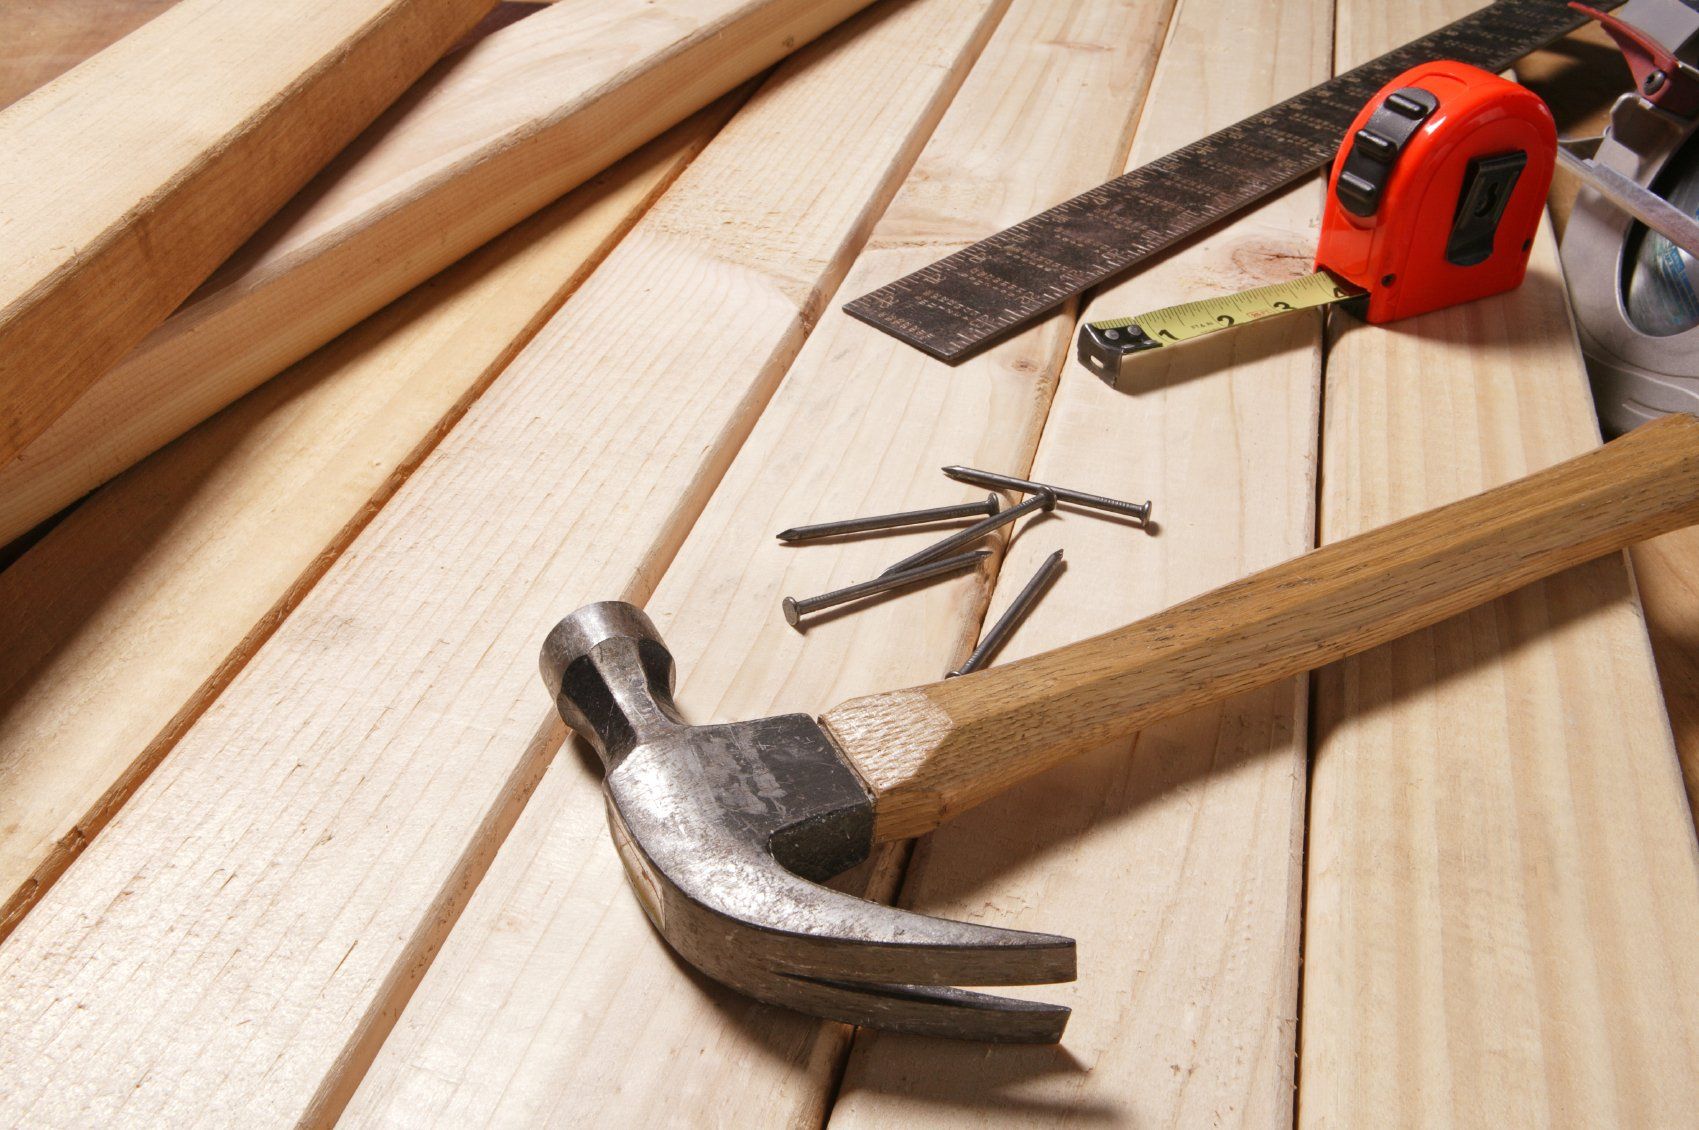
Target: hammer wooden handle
[(932, 751)]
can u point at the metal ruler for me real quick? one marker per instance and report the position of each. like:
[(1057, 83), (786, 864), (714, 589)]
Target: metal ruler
[(960, 303)]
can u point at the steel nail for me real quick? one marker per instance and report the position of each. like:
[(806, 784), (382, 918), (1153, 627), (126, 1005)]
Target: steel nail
[(1012, 616), (990, 506), (993, 481), (1043, 500), (796, 609)]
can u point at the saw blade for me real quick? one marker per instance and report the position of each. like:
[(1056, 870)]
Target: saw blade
[(961, 303)]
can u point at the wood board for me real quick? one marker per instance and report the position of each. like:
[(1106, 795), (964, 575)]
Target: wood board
[(1666, 573), (1175, 859), (485, 139), (553, 995), (309, 839), (128, 179), (135, 611), (1502, 875)]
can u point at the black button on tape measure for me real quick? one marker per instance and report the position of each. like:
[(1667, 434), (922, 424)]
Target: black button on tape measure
[(955, 306)]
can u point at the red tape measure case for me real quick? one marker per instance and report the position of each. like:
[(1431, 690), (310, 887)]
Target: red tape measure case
[(1438, 190)]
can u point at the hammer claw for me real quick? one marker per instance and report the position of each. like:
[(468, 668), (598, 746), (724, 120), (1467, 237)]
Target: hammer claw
[(920, 1010)]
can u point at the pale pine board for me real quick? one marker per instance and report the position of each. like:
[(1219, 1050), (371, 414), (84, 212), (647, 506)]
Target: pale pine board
[(1503, 888), (134, 612), (238, 942), (553, 1000), (128, 179), (1174, 859), (482, 141), (1667, 573)]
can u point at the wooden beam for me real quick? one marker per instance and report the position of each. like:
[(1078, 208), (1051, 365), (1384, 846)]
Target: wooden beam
[(553, 994), (277, 886), (1175, 859), (486, 139), (1503, 885), (1666, 572), (128, 179), (135, 611)]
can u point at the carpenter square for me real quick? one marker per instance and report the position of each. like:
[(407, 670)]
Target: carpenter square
[(961, 303), (727, 831)]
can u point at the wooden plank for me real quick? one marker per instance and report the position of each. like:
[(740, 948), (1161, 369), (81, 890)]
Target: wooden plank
[(1174, 859), (553, 998), (1503, 885), (135, 611), (486, 139), (237, 943), (1666, 572), (128, 179)]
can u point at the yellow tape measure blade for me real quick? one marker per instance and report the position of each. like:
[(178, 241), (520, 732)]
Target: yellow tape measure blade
[(1103, 344)]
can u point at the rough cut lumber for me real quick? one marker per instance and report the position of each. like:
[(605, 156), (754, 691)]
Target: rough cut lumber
[(238, 942), (553, 999), (1503, 888), (131, 615), (486, 139), (1174, 859), (127, 180)]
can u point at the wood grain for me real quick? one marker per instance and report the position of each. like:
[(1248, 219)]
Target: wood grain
[(277, 886), (129, 178), (860, 425), (135, 611), (1666, 573), (1503, 884), (484, 140), (1174, 860)]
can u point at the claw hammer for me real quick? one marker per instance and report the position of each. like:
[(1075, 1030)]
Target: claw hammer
[(726, 831)]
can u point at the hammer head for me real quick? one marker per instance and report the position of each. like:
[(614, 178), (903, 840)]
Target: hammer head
[(726, 832)]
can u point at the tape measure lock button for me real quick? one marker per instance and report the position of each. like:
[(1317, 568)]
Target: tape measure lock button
[(1375, 147)]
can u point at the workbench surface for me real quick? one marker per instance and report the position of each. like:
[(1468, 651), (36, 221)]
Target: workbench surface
[(288, 832)]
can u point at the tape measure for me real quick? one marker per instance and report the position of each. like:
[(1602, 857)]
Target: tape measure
[(961, 303), (1433, 200)]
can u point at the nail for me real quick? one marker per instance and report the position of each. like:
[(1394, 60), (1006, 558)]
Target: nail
[(991, 505), (796, 609), (1043, 500), (1012, 616), (993, 481)]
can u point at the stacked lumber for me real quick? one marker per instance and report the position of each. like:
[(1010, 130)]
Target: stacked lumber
[(100, 237), (279, 883), (289, 832), (134, 612), (1502, 879), (485, 139)]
